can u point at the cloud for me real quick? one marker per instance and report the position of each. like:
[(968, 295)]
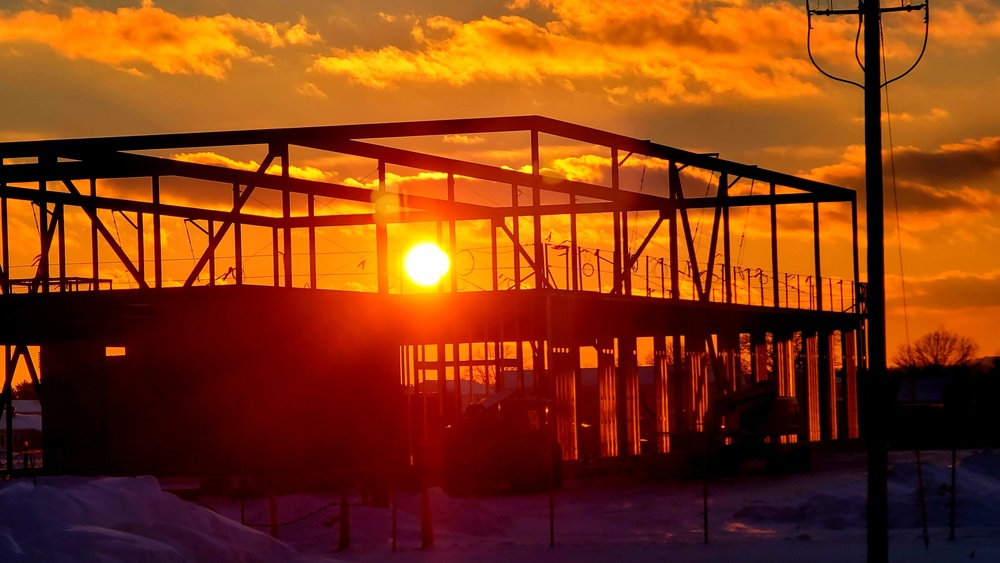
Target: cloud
[(464, 139), (310, 89), (149, 35), (953, 164), (956, 176), (688, 51), (934, 114), (970, 25), (643, 51), (215, 159), (954, 290)]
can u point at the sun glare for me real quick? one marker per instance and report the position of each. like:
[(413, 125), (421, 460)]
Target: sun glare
[(426, 264)]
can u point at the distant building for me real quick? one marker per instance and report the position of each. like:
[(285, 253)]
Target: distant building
[(27, 426)]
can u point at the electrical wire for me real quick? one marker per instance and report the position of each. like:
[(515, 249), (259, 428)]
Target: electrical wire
[(922, 499), (895, 198), (812, 59), (923, 49)]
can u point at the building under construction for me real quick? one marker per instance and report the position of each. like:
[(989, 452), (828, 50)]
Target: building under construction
[(289, 337)]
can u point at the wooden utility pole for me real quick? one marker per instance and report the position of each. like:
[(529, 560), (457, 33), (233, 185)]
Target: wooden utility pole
[(870, 12), (878, 456)]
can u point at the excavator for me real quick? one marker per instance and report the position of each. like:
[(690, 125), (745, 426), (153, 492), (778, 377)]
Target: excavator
[(751, 425), (502, 444)]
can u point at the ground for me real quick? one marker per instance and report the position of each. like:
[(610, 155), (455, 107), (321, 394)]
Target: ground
[(817, 516)]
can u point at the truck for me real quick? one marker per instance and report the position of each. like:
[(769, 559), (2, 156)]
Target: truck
[(502, 444)]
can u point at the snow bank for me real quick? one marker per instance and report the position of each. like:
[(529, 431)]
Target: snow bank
[(111, 520), (817, 517)]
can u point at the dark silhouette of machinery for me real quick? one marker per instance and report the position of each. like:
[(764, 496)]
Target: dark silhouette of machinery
[(503, 443), (755, 424)]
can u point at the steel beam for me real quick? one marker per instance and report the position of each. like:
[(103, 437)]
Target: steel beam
[(108, 238)]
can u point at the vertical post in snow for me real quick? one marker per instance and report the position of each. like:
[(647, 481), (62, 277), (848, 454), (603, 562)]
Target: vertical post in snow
[(426, 526), (345, 522), (272, 512)]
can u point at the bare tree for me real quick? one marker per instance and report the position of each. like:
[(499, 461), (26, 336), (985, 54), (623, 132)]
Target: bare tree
[(939, 349), (485, 373)]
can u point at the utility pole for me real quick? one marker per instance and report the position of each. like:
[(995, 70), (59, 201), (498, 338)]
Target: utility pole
[(870, 14)]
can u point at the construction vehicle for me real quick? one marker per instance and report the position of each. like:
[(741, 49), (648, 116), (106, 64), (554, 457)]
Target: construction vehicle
[(502, 444), (754, 425)]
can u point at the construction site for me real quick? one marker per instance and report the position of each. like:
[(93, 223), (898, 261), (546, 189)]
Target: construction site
[(219, 304)]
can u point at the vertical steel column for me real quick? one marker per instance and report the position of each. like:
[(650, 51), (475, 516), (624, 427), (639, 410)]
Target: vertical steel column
[(311, 211), (61, 244), (774, 248), (237, 237), (574, 248), (728, 352), (211, 256), (758, 356), (94, 245), (286, 215), (828, 385), (157, 236), (5, 242), (628, 391), (494, 255), (274, 257), (697, 379), (564, 364), (140, 229), (541, 275), (516, 216), (673, 186), (43, 211), (8, 404), (452, 238), (519, 355), (442, 381), (4, 269), (382, 234), (661, 394), (857, 266), (784, 367), (617, 278), (810, 341), (727, 256), (607, 397), (816, 256), (680, 413), (848, 340)]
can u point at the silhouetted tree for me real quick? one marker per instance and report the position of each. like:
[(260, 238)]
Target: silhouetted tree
[(940, 349), (486, 373), (25, 390)]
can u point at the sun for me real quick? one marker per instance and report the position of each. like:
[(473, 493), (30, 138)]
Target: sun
[(426, 264)]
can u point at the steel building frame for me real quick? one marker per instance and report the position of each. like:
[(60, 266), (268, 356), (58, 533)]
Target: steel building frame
[(55, 176)]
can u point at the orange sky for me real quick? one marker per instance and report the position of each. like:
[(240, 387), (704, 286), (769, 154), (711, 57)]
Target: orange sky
[(716, 76)]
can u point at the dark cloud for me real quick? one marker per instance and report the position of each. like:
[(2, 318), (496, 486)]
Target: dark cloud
[(971, 161), (958, 291)]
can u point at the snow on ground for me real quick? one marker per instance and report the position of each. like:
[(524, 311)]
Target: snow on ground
[(125, 520), (819, 516)]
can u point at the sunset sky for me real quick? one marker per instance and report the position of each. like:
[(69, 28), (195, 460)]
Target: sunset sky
[(731, 77)]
